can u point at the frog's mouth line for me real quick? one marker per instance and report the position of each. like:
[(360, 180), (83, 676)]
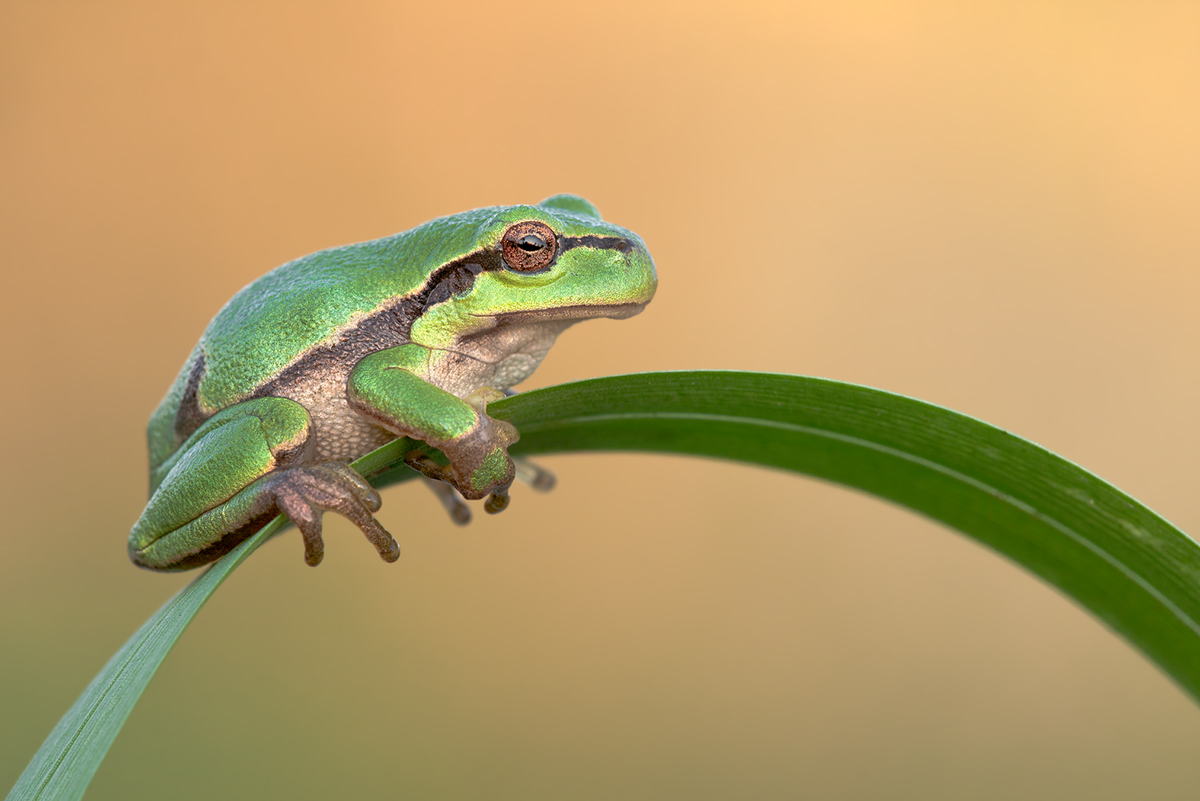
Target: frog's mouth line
[(582, 311)]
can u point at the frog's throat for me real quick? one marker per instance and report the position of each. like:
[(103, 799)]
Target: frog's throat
[(511, 347)]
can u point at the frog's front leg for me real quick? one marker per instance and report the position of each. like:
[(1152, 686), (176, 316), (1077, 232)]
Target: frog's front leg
[(242, 467), (387, 387)]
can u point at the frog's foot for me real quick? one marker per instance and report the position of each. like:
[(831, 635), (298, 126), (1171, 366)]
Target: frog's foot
[(304, 492), (480, 466), (497, 500), (537, 477)]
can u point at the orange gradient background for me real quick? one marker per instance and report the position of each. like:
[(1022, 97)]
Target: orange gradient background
[(992, 206)]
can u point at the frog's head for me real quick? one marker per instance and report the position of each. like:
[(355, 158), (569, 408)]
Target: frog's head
[(540, 267)]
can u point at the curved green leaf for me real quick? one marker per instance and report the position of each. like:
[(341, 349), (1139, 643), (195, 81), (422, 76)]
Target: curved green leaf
[(1131, 568), (67, 760)]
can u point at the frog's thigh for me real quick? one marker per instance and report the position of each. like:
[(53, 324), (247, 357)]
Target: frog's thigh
[(211, 488)]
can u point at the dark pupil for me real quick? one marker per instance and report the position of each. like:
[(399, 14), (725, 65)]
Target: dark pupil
[(531, 242)]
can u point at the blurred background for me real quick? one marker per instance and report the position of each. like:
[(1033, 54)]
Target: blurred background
[(991, 206)]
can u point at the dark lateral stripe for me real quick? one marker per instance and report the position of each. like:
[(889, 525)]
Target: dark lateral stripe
[(389, 325), (486, 260), (591, 241), (188, 416)]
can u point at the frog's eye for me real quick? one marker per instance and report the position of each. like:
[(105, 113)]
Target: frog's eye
[(529, 246)]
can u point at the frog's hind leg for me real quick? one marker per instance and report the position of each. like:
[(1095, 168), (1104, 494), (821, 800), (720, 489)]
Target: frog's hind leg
[(242, 467)]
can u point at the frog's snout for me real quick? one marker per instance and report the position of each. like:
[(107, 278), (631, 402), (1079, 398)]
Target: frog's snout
[(642, 277)]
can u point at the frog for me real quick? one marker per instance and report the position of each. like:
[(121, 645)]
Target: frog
[(336, 353)]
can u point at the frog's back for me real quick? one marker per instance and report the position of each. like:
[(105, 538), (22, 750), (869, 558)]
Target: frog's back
[(298, 307)]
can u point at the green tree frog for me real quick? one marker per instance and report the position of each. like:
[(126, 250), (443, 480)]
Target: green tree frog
[(329, 356)]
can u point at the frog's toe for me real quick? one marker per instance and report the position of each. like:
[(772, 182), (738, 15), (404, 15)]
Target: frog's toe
[(304, 493), (497, 502), (365, 492), (453, 503), (308, 520), (424, 465), (537, 477)]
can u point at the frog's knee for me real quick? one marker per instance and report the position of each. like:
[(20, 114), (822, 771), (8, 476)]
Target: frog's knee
[(282, 425), (204, 538)]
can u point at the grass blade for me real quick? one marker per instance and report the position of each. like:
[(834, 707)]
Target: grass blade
[(67, 760), (1132, 569), (1112, 555)]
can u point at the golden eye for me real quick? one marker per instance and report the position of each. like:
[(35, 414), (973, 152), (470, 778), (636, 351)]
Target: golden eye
[(529, 246)]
